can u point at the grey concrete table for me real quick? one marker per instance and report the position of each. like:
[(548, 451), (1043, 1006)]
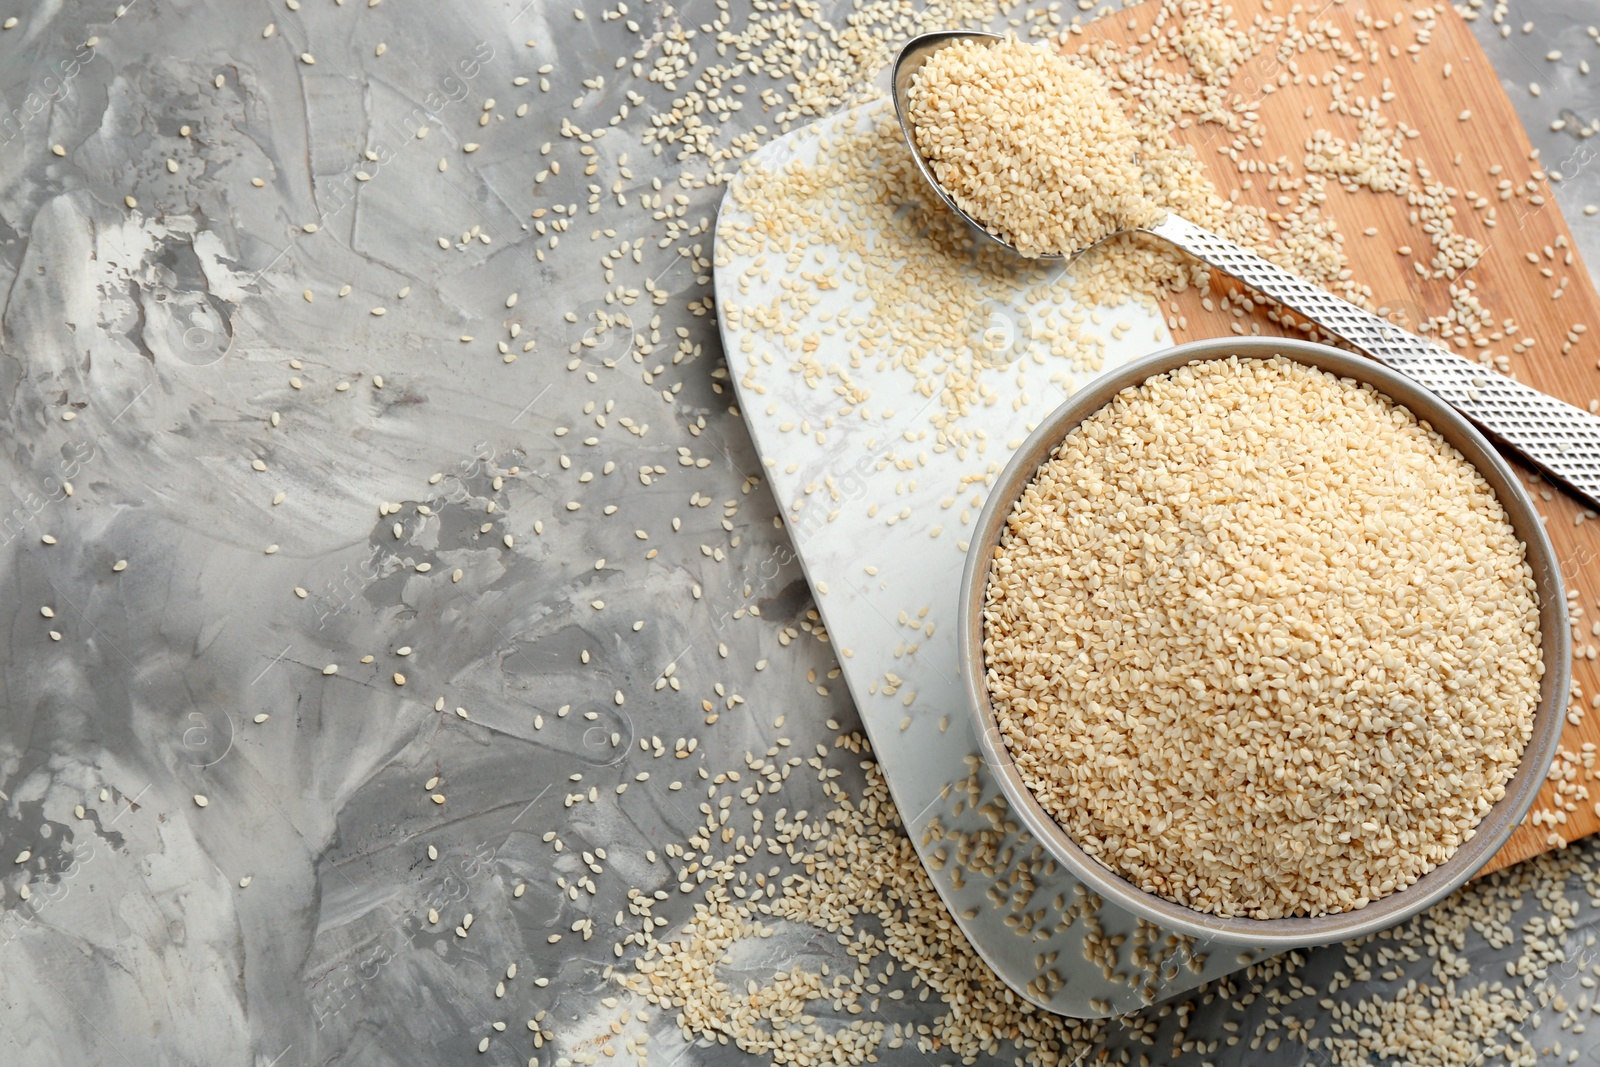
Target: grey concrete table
[(178, 347)]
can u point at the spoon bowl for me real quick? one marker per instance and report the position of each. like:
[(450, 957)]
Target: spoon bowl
[(913, 55)]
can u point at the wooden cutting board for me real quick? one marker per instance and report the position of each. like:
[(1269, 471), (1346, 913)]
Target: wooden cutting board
[(1530, 273)]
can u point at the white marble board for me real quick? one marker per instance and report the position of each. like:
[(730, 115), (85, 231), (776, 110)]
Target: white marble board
[(1033, 924)]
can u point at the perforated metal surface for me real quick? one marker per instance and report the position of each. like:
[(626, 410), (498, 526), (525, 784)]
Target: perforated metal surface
[(1560, 439)]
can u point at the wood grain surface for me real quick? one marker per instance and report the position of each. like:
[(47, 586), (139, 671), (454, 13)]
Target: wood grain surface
[(1526, 274)]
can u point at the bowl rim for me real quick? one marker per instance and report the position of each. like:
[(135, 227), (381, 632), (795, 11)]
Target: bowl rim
[(1497, 824)]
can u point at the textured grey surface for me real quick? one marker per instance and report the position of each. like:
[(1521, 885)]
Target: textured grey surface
[(167, 330)]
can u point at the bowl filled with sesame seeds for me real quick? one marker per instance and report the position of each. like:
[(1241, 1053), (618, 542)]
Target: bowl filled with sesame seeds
[(1264, 642)]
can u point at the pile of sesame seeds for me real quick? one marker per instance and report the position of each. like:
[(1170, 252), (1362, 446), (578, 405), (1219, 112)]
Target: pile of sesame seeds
[(851, 871), (1261, 642), (1032, 147)]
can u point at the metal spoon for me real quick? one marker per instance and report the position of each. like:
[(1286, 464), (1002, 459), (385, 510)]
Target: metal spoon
[(1561, 440)]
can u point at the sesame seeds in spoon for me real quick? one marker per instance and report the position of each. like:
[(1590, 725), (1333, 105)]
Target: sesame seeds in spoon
[(1032, 150)]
